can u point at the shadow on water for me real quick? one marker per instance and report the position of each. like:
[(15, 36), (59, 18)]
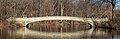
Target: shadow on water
[(25, 33)]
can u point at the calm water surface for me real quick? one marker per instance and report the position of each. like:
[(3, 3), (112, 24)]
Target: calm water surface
[(27, 33)]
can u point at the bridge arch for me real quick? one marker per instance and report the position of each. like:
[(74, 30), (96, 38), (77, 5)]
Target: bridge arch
[(89, 23), (25, 21), (31, 20)]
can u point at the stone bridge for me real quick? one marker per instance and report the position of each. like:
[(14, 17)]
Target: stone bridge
[(25, 21)]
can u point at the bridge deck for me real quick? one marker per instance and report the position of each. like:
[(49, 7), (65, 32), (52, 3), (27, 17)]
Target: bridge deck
[(61, 18), (35, 19)]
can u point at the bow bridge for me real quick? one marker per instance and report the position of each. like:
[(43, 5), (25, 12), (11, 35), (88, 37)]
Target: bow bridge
[(25, 21)]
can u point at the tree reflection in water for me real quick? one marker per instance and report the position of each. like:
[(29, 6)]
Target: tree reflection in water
[(25, 33)]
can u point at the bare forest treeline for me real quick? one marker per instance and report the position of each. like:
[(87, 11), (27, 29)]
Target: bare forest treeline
[(38, 8), (76, 8)]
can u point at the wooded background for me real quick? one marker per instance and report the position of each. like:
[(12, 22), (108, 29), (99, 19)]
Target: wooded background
[(38, 8)]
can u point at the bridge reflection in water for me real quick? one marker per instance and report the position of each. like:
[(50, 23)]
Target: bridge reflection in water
[(54, 34), (25, 33)]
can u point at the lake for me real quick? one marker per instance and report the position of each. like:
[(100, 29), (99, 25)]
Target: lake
[(28, 33)]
